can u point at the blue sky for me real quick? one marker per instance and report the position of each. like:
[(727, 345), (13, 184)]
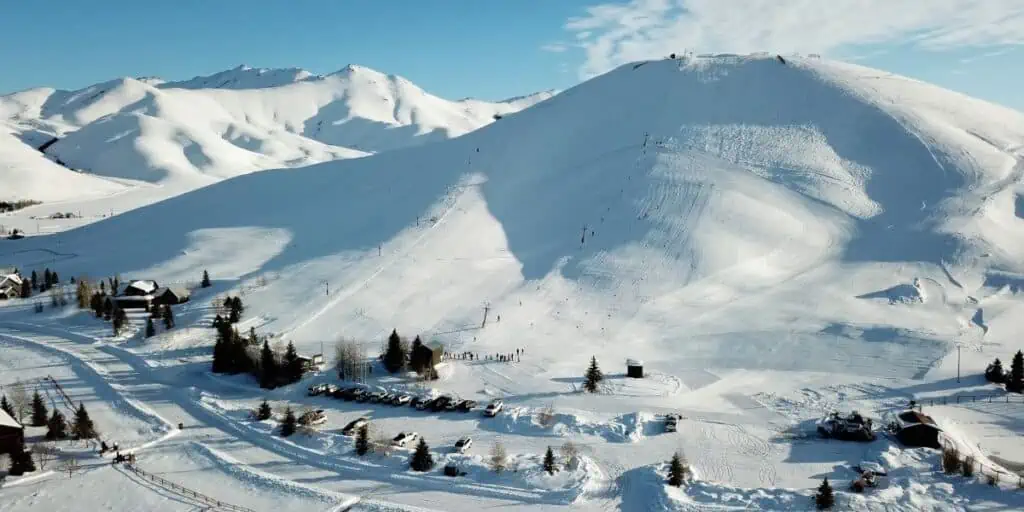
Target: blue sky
[(494, 50)]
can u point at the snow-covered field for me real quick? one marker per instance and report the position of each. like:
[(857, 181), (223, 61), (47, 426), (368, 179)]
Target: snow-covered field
[(774, 241)]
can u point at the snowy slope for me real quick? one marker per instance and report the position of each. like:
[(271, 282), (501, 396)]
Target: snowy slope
[(774, 241), (26, 174), (237, 121)]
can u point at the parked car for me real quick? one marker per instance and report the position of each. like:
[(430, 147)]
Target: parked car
[(441, 403), (351, 393), (466, 405), (338, 393), (463, 444), (494, 408), (405, 438), (670, 422), (420, 402), (363, 395), (378, 396), (354, 425), (317, 389), (401, 400)]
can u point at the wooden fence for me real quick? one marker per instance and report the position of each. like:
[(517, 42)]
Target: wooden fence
[(966, 399), (980, 468), (184, 491)]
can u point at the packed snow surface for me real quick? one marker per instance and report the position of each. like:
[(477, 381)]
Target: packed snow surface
[(774, 240)]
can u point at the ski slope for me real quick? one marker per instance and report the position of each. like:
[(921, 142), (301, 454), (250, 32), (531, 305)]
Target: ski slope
[(773, 240)]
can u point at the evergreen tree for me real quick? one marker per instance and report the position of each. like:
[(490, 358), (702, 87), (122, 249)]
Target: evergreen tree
[(35, 280), (676, 471), (26, 289), (56, 427), (46, 280), (994, 372), (21, 462), (363, 440), (234, 312), (39, 411), (7, 407), (206, 280), (118, 320), (220, 356), (288, 427), (292, 364), (394, 356), (96, 303), (593, 376), (217, 322), (82, 427), (168, 317), (268, 367), (825, 498), (108, 309), (422, 460), (54, 279), (264, 412), (103, 287), (1015, 381), (150, 330), (549, 462)]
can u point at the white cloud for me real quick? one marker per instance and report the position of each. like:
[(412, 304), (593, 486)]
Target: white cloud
[(615, 33), (554, 47)]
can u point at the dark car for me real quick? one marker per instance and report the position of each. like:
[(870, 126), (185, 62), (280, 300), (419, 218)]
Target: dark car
[(419, 402), (441, 403), (466, 405)]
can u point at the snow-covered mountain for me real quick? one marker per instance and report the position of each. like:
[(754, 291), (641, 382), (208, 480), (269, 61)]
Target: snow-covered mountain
[(190, 133), (774, 240)]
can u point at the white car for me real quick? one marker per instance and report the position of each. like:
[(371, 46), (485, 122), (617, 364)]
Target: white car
[(494, 408), (463, 444), (405, 438), (355, 425)]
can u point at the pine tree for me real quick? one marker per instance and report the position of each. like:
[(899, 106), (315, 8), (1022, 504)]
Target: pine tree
[(54, 279), (288, 427), (825, 498), (168, 317), (46, 280), (422, 460), (676, 471), (593, 376), (26, 289), (206, 280), (264, 412), (118, 320), (35, 280), (39, 411), (7, 407), (1015, 381), (220, 356), (21, 462), (394, 356), (56, 427), (994, 372), (268, 367), (363, 440), (150, 330), (82, 427), (292, 364), (96, 303), (108, 309), (549, 462)]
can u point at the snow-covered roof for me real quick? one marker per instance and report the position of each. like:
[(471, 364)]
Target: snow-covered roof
[(10, 278), (178, 291), (7, 421), (634, 362), (147, 286)]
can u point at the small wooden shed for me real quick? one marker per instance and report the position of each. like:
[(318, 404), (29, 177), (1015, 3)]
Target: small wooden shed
[(12, 434), (635, 368)]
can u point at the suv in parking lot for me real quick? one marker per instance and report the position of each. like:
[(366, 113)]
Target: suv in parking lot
[(355, 425), (466, 405), (494, 407), (463, 444), (405, 438), (401, 399), (441, 403)]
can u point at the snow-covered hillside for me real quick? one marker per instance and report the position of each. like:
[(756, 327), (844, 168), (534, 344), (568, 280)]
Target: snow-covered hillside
[(772, 239), (183, 135)]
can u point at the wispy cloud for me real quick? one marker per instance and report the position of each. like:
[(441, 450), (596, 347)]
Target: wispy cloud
[(554, 47), (614, 33)]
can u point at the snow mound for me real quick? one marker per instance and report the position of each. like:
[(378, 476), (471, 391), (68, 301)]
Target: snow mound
[(912, 293)]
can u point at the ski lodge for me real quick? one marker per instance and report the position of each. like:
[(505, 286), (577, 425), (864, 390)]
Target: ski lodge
[(12, 434)]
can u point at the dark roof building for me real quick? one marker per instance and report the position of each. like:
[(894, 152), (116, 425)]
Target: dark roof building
[(170, 295), (917, 429), (12, 434), (140, 287)]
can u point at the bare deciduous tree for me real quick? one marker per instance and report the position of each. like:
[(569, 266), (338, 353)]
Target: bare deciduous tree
[(546, 416), (498, 460), (19, 400), (44, 453), (570, 452), (350, 360), (381, 443), (70, 465)]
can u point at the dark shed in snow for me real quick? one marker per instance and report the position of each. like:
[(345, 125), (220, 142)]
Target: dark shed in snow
[(918, 430), (170, 295), (12, 434), (635, 368)]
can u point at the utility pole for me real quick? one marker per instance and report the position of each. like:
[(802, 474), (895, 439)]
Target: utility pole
[(583, 238), (487, 308)]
